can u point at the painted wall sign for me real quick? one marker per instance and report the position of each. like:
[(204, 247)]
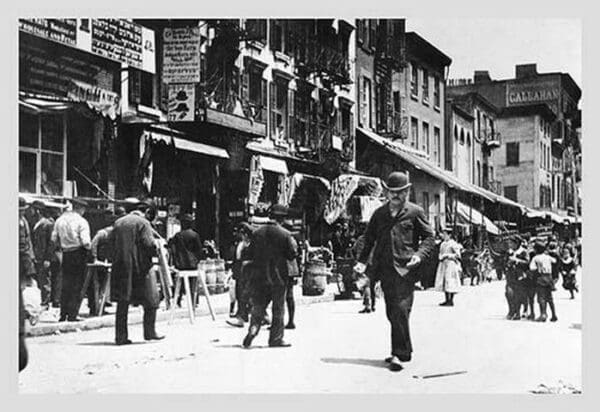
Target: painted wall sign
[(181, 55), (534, 93), (181, 102), (104, 101), (115, 39)]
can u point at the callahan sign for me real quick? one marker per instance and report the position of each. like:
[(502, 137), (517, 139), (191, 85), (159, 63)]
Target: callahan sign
[(532, 96)]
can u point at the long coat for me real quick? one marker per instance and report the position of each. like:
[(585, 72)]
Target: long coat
[(270, 249), (133, 246), (447, 278)]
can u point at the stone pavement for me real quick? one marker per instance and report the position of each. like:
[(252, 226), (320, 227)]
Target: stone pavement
[(469, 349)]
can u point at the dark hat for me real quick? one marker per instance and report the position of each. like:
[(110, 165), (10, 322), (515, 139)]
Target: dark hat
[(22, 203), (186, 217), (147, 203), (38, 204), (79, 202), (278, 210), (397, 181), (539, 246), (120, 211)]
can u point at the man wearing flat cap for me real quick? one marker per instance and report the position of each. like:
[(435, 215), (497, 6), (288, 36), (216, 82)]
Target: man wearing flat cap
[(271, 247), (133, 248), (394, 232), (72, 235)]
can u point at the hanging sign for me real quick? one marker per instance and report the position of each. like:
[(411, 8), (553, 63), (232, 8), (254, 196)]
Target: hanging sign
[(102, 100), (181, 102), (181, 55), (256, 181), (341, 190)]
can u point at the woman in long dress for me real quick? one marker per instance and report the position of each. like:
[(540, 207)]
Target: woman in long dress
[(447, 277)]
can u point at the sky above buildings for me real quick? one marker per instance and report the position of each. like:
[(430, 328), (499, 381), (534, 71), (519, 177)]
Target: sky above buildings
[(497, 45)]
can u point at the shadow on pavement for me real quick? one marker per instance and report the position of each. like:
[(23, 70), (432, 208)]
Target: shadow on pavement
[(356, 361), (110, 343), (241, 347)]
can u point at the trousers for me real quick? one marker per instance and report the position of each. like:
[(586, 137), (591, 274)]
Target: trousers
[(73, 268), (262, 294), (121, 330), (398, 293)]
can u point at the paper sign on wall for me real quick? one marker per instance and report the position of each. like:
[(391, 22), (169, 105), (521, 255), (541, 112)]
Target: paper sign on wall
[(181, 102)]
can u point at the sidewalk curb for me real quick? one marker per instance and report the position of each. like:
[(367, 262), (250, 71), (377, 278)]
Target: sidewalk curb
[(135, 317)]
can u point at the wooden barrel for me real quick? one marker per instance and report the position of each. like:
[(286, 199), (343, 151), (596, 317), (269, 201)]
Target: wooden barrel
[(211, 276), (221, 276), (315, 277)]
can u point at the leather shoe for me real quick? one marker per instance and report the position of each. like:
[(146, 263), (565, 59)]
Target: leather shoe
[(154, 337), (123, 342), (237, 322), (365, 310), (401, 358), (395, 365), (290, 325), (247, 341), (280, 344)]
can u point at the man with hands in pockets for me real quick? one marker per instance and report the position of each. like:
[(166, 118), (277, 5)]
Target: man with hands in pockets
[(395, 230)]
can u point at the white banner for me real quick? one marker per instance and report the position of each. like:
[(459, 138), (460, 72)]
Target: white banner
[(181, 55), (341, 190)]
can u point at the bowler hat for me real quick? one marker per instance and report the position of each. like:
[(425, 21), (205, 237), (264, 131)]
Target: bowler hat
[(22, 203), (79, 202), (38, 204), (278, 210), (397, 181), (186, 217)]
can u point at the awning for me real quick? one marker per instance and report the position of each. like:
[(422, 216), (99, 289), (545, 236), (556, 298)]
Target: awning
[(423, 165), (474, 216), (273, 165), (444, 176), (531, 213), (30, 198), (164, 134), (44, 103), (201, 148)]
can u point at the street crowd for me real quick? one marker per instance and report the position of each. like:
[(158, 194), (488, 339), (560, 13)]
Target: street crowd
[(396, 249)]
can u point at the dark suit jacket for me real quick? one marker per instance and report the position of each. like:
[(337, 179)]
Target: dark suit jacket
[(396, 239), (133, 246), (186, 249), (270, 249)]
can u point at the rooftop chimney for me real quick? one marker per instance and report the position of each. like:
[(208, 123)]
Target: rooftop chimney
[(482, 76), (525, 70)]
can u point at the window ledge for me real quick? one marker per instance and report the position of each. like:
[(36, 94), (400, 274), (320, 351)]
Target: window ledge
[(279, 56), (437, 109), (425, 102), (414, 97)]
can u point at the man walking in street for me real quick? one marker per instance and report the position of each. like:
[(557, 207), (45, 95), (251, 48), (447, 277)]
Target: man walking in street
[(395, 230), (47, 264), (72, 234), (271, 247), (133, 247)]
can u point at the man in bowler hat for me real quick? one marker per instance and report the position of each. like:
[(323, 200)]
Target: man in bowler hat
[(271, 247), (394, 232), (133, 247)]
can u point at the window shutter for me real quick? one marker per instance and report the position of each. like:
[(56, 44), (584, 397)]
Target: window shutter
[(245, 88), (291, 116), (134, 86), (273, 100), (351, 125), (361, 103), (373, 34), (359, 31), (272, 42), (389, 109), (263, 102)]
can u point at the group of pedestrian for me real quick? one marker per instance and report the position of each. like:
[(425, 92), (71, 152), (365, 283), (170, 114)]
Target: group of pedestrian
[(265, 268), (534, 269)]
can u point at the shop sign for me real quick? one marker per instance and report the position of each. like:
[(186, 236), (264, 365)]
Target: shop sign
[(105, 101), (115, 39), (256, 181), (181, 102), (181, 55), (341, 190)]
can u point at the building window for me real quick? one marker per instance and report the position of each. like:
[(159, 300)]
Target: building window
[(414, 81), (42, 146), (510, 192), (426, 205), (437, 206), (277, 33), (425, 86), (462, 136), (366, 98), (455, 132), (302, 115), (478, 124), (426, 146), (254, 93), (512, 154), (436, 92), (414, 132), (491, 173), (437, 146), (257, 30), (468, 139), (478, 173), (397, 101), (279, 109)]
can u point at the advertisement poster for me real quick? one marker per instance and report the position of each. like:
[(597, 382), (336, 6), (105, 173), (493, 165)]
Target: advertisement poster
[(181, 102), (181, 55)]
